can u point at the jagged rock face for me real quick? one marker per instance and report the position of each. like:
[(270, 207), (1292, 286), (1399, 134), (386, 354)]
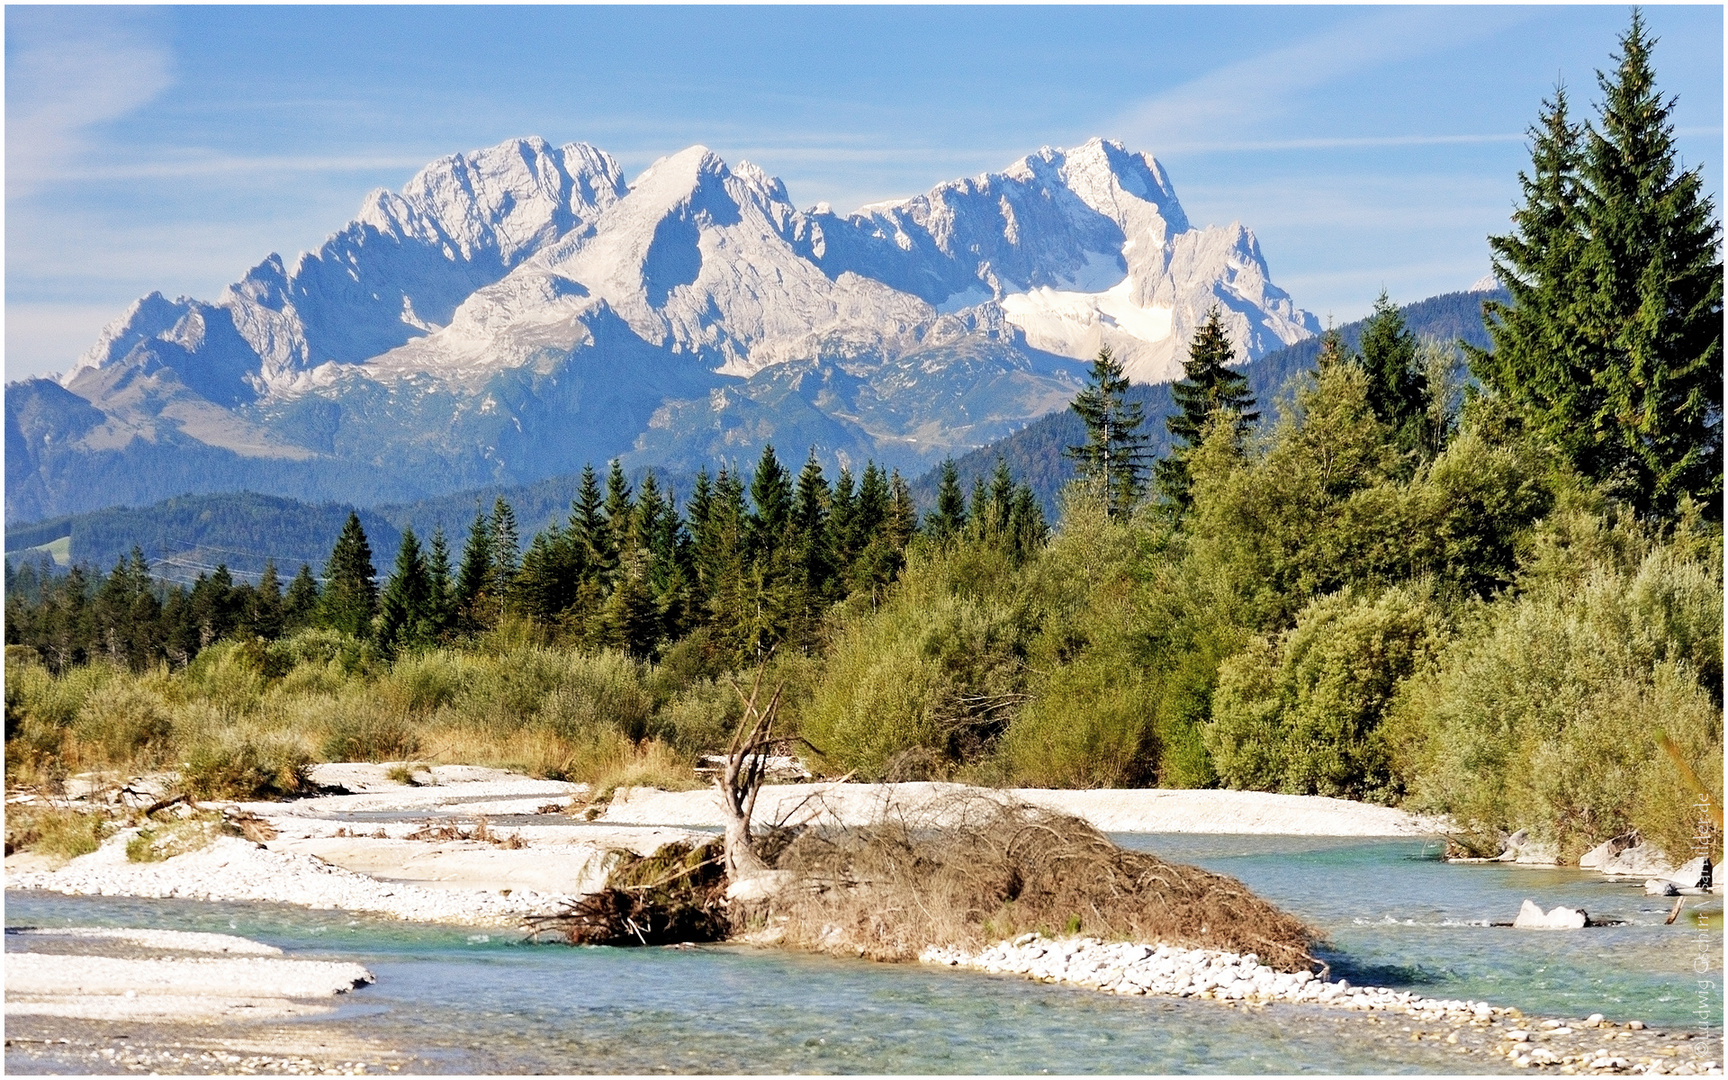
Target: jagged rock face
[(519, 310)]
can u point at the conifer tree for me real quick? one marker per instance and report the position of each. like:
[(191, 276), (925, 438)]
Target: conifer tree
[(1209, 388), (771, 507), (1026, 524), (619, 505), (443, 586), (842, 525), (1537, 363), (1612, 347), (506, 556), (872, 511), (949, 518), (667, 545), (1114, 455), (589, 529), (722, 563), (264, 613), (1332, 350), (1397, 385), (810, 530), (701, 510), (473, 580), (405, 609), (1651, 312), (300, 602), (1002, 495), (902, 521), (350, 596)]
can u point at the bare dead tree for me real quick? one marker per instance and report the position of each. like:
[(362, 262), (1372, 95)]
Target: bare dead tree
[(741, 779)]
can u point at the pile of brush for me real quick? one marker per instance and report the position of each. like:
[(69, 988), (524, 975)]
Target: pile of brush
[(675, 895), (964, 872), (978, 868)]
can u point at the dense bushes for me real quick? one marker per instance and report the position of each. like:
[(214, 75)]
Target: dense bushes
[(1544, 712), (1302, 713)]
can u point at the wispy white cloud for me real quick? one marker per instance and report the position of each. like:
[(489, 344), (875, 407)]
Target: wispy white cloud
[(210, 165), (1246, 104), (68, 70)]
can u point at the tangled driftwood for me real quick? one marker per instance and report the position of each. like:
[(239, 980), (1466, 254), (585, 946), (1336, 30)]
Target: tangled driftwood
[(979, 867), (973, 868)]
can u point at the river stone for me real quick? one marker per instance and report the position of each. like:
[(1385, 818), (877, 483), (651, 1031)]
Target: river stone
[(1520, 848), (1530, 917), (1696, 874), (1630, 855)]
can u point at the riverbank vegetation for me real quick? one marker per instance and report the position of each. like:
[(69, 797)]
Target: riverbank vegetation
[(1481, 587)]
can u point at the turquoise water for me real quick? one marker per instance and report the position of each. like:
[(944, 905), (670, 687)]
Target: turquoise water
[(464, 1001), (1399, 916)]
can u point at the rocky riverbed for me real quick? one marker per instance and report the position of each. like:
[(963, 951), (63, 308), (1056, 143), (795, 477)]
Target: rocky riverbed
[(1592, 1044)]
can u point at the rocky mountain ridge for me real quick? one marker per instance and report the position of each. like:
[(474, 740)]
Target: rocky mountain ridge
[(514, 312)]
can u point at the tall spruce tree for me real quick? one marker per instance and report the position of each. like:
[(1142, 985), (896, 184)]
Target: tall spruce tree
[(771, 506), (1114, 456), (506, 555), (620, 501), (949, 517), (350, 595), (1537, 363), (1397, 383), (300, 602), (473, 580), (264, 613), (1651, 311), (443, 586), (1611, 350), (1210, 389), (405, 617), (1332, 350), (813, 543)]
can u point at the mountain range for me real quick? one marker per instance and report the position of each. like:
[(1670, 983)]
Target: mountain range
[(515, 312), (190, 534)]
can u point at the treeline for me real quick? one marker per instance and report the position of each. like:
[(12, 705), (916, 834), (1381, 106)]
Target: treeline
[(745, 567)]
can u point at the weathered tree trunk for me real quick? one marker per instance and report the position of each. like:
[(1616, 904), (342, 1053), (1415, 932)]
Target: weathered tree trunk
[(739, 782)]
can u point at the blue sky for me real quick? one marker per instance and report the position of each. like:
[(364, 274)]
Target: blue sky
[(173, 148)]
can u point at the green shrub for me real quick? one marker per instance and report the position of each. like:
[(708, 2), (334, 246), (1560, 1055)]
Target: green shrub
[(362, 734), (228, 675), (1544, 714), (1302, 714), (231, 764), (122, 724), (157, 842), (57, 832), (420, 683), (1091, 725), (701, 719)]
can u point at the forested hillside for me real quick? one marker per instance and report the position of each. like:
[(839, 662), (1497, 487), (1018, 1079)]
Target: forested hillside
[(189, 533), (1035, 452)]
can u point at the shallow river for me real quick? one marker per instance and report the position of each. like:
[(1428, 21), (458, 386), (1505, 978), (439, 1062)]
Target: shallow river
[(464, 1001)]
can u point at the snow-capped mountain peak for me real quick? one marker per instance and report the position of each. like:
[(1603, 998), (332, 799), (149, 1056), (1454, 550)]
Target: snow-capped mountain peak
[(513, 311)]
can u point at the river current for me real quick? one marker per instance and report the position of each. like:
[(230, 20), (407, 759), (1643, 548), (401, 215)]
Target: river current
[(461, 1000)]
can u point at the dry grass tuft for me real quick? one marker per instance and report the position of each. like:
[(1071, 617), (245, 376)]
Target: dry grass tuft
[(161, 841), (974, 869), (56, 831)]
